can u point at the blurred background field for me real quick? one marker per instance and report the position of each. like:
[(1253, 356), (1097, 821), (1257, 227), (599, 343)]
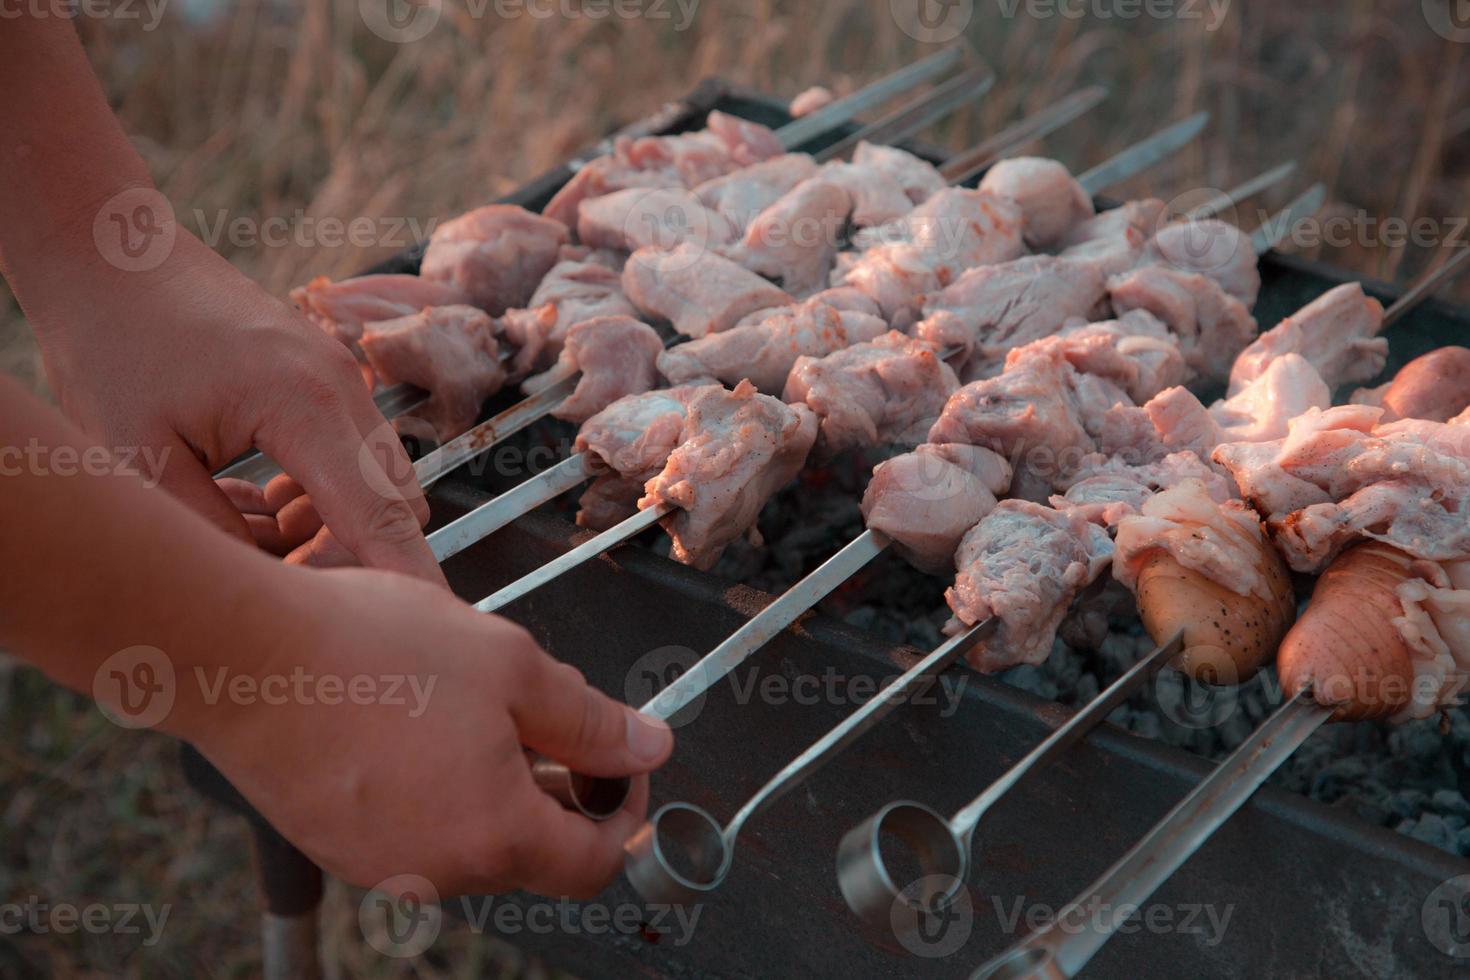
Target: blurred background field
[(257, 109)]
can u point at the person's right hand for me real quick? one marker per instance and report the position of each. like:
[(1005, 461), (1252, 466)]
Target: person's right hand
[(371, 791)]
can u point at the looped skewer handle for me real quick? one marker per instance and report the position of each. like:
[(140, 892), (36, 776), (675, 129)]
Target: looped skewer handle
[(943, 847), (682, 852), (1063, 948)]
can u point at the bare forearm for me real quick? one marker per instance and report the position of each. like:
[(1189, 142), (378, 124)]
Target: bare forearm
[(92, 561), (63, 156)]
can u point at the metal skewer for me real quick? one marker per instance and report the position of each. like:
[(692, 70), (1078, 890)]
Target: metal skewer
[(1235, 195), (974, 161), (916, 116), (682, 853), (1425, 286), (943, 846), (397, 400), (1063, 948)]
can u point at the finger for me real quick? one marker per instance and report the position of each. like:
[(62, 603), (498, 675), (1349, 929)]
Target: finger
[(561, 853), (180, 473), (387, 448), (559, 715), (299, 522), (323, 551), (245, 496), (267, 535), (321, 447), (281, 490)]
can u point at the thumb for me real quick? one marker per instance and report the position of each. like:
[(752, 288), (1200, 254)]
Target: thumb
[(558, 714)]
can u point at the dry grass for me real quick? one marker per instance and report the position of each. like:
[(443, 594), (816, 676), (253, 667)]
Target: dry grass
[(274, 108)]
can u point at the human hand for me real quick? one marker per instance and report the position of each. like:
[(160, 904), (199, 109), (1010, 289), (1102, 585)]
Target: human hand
[(193, 364), (372, 791)]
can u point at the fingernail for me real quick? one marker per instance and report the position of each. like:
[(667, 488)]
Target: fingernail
[(648, 738)]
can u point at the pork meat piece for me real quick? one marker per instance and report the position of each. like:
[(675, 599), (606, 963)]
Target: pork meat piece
[(795, 240), (1051, 199), (1114, 240), (1339, 476), (1261, 409), (1211, 248), (1337, 333), (1023, 564), (844, 299), (737, 448), (994, 308), (1212, 326), (742, 195), (1221, 540), (931, 248), (765, 351), (573, 291), (886, 391), (927, 499), (496, 254), (810, 100), (632, 439), (682, 160), (876, 197), (697, 291), (615, 357), (449, 351), (1135, 352), (1436, 627), (916, 177), (1109, 489), (1031, 415), (342, 308), (661, 218)]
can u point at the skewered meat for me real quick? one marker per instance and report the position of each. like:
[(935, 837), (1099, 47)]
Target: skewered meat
[(663, 217), (1023, 564), (1434, 387), (931, 248), (742, 195), (573, 291), (1110, 489), (1338, 476), (796, 238), (683, 160), (736, 449), (764, 351), (1212, 326), (885, 183), (449, 351), (496, 254), (844, 299), (810, 100), (927, 499), (1035, 415), (889, 390), (341, 308), (1114, 240), (695, 290), (1134, 352), (1337, 333), (632, 438), (1384, 636), (1051, 199), (1211, 248), (993, 308), (1206, 569), (1263, 408), (615, 356)]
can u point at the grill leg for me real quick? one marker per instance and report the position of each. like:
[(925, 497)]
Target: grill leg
[(291, 887)]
